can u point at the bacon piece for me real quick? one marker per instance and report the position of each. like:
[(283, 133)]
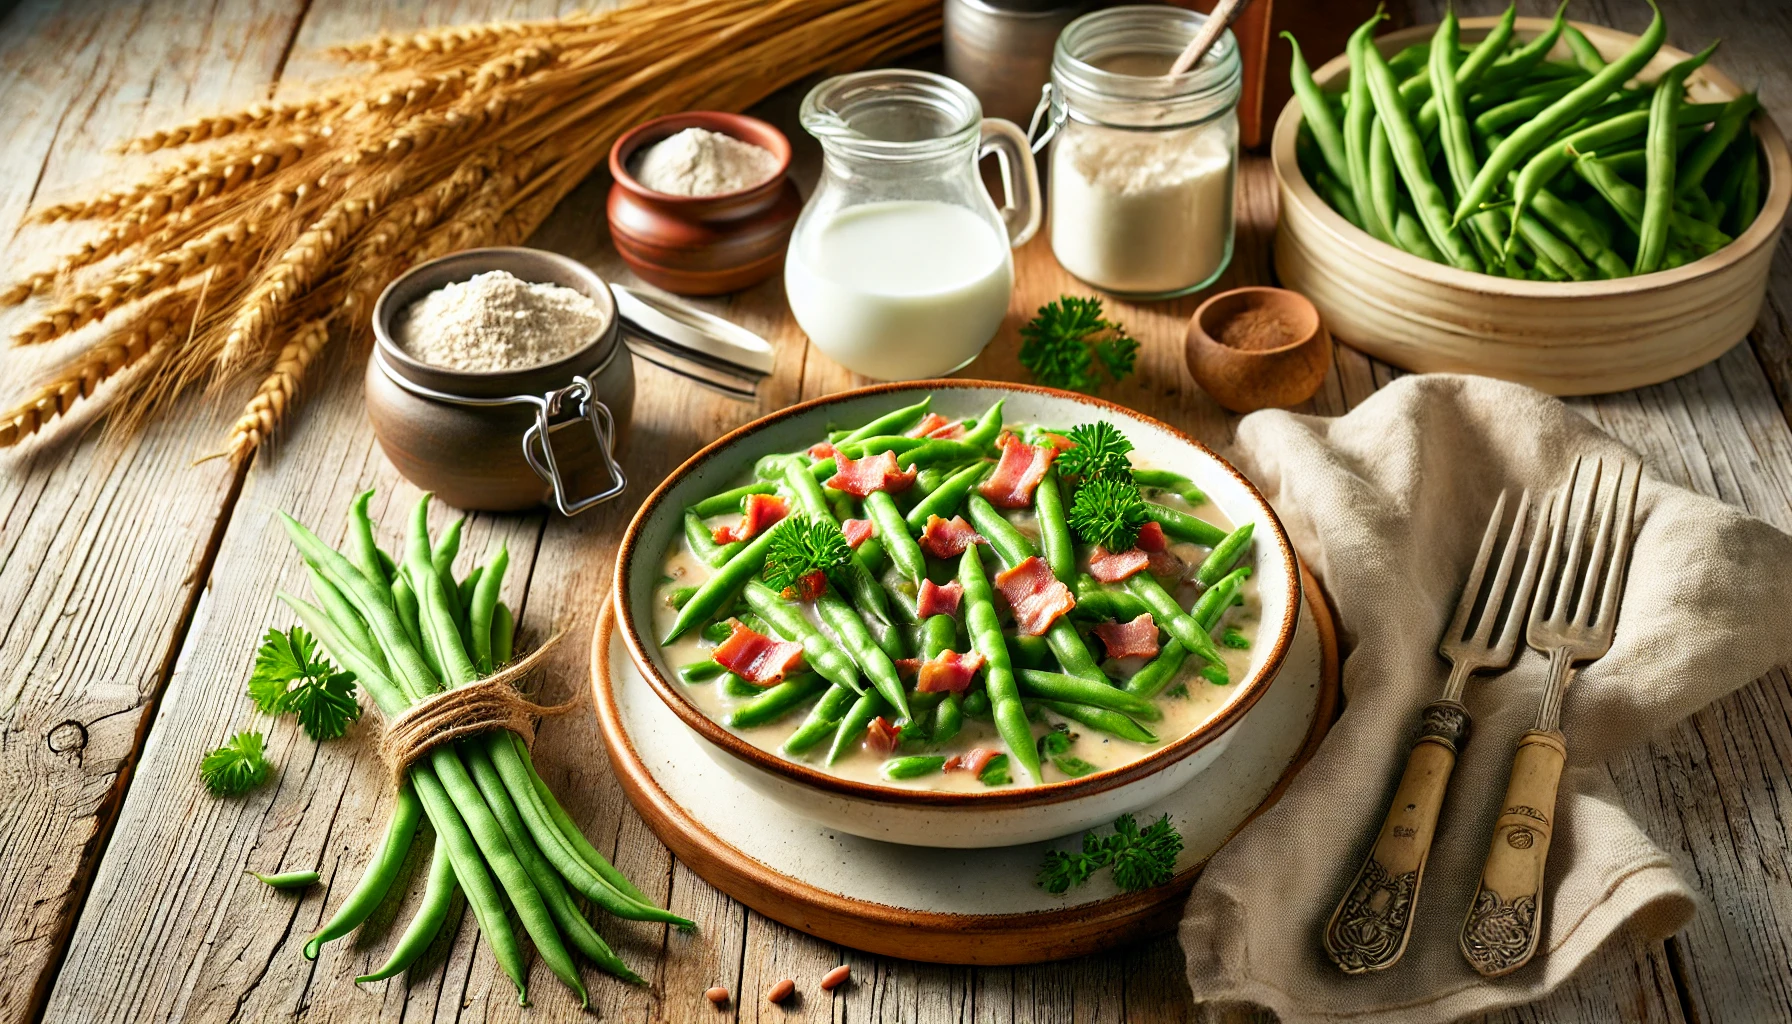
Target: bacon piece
[(973, 760), (1135, 639), (929, 423), (757, 658), (880, 736), (937, 600), (1017, 473), (1163, 563), (943, 538), (948, 432), (907, 668), (1058, 441), (1036, 596), (1114, 566), (1152, 539), (948, 671), (808, 587), (857, 531), (823, 450), (763, 511), (873, 473)]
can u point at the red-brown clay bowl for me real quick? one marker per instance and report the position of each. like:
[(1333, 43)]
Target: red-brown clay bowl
[(1000, 816), (702, 245), (1248, 379)]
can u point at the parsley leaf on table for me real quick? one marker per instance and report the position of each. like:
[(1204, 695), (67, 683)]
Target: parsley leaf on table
[(1140, 859), (237, 766), (1069, 344), (324, 698)]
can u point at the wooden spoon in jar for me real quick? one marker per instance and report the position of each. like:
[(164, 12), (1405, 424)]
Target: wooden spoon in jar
[(1217, 22)]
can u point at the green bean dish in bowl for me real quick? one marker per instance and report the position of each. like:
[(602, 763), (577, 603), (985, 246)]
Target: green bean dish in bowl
[(958, 614)]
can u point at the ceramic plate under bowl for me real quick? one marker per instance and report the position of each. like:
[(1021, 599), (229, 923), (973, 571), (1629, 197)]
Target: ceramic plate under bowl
[(1001, 816), (942, 905)]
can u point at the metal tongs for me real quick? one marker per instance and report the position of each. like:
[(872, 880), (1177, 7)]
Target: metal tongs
[(693, 344)]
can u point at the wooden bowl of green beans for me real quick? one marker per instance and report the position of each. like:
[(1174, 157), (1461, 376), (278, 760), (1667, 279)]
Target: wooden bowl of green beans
[(1551, 217)]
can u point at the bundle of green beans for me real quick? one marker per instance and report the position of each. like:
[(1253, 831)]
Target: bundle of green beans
[(1496, 159), (867, 619), (408, 629)]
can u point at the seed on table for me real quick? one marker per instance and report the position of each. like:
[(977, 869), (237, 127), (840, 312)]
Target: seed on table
[(781, 991), (835, 978), (717, 995)]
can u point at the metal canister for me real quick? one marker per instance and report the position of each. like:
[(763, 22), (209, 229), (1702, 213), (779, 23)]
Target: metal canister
[(1002, 49)]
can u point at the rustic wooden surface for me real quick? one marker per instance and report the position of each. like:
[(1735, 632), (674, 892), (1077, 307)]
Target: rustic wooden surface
[(133, 586)]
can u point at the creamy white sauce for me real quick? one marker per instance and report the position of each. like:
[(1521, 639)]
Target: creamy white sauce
[(900, 290), (1187, 702)]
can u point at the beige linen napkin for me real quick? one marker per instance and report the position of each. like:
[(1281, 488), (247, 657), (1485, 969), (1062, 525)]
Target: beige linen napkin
[(1387, 505)]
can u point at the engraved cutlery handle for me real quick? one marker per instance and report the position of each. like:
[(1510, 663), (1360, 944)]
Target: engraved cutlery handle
[(1506, 918), (1368, 931)]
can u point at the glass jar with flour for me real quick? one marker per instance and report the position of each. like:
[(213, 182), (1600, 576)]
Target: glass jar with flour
[(899, 267), (1143, 164)]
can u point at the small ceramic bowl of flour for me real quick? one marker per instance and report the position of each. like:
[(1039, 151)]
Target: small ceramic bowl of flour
[(472, 351), (702, 203)]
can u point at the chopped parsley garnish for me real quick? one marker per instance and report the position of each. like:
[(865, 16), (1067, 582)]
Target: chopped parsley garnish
[(1069, 344), (1140, 859), (1235, 639), (803, 546), (995, 773), (324, 698), (1108, 511), (237, 766), (1101, 450)]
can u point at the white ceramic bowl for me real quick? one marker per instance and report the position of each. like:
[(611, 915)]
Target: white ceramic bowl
[(998, 817)]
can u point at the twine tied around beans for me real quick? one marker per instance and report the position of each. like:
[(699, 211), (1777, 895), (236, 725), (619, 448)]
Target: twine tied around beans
[(478, 707)]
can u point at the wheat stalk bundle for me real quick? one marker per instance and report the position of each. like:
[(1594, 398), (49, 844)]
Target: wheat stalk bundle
[(244, 262)]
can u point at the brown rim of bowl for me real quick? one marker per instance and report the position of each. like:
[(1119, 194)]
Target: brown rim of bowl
[(1200, 330), (1250, 689), (721, 121), (497, 257)]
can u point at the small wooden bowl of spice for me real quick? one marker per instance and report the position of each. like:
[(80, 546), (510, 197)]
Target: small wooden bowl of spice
[(701, 204), (1257, 348)]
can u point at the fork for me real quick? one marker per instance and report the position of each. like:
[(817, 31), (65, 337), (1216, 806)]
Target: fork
[(1504, 921), (1369, 929)]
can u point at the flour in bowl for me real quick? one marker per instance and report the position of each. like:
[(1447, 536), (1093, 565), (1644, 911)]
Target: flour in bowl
[(497, 321), (699, 162)]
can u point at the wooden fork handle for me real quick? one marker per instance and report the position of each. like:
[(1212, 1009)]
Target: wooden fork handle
[(1506, 918), (1369, 929)]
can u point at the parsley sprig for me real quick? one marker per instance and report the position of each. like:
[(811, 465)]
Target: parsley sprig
[(323, 699), (1108, 511), (1140, 859), (1101, 450), (803, 546), (237, 766), (1069, 344)]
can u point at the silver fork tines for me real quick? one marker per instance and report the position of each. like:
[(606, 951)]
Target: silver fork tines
[(1468, 651)]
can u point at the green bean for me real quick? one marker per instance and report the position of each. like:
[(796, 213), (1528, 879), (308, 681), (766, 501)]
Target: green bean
[(1560, 253), (575, 839), (1028, 651), (1182, 526), (1102, 720), (1658, 201), (1579, 228), (858, 582), (1411, 59), (1095, 602), (1628, 201), (464, 590), (503, 634), (405, 603), (1748, 191), (894, 422), (700, 671), (380, 873), (1537, 132), (856, 637), (777, 701), (1056, 686), (1729, 124), (1458, 141), (1172, 619), (388, 567), (719, 587), (822, 720), (903, 550), (998, 671), (1359, 116), (442, 558), (471, 872), (426, 923), (1468, 71), (680, 596), (945, 500), (727, 501), (938, 634), (363, 552), (852, 725), (483, 606), (1383, 186), (704, 546), (1150, 681), (1054, 531), (1585, 53), (1174, 483), (872, 555), (982, 437), (948, 719), (1526, 59), (288, 879), (928, 480), (1409, 157), (1317, 112), (1214, 601), (1224, 555), (1410, 235), (1013, 548), (823, 655), (340, 610), (735, 687), (913, 767)]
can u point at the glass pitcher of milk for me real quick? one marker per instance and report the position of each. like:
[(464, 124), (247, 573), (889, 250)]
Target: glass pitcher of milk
[(899, 266)]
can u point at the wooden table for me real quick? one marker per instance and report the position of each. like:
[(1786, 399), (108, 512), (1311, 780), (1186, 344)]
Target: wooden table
[(134, 586)]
